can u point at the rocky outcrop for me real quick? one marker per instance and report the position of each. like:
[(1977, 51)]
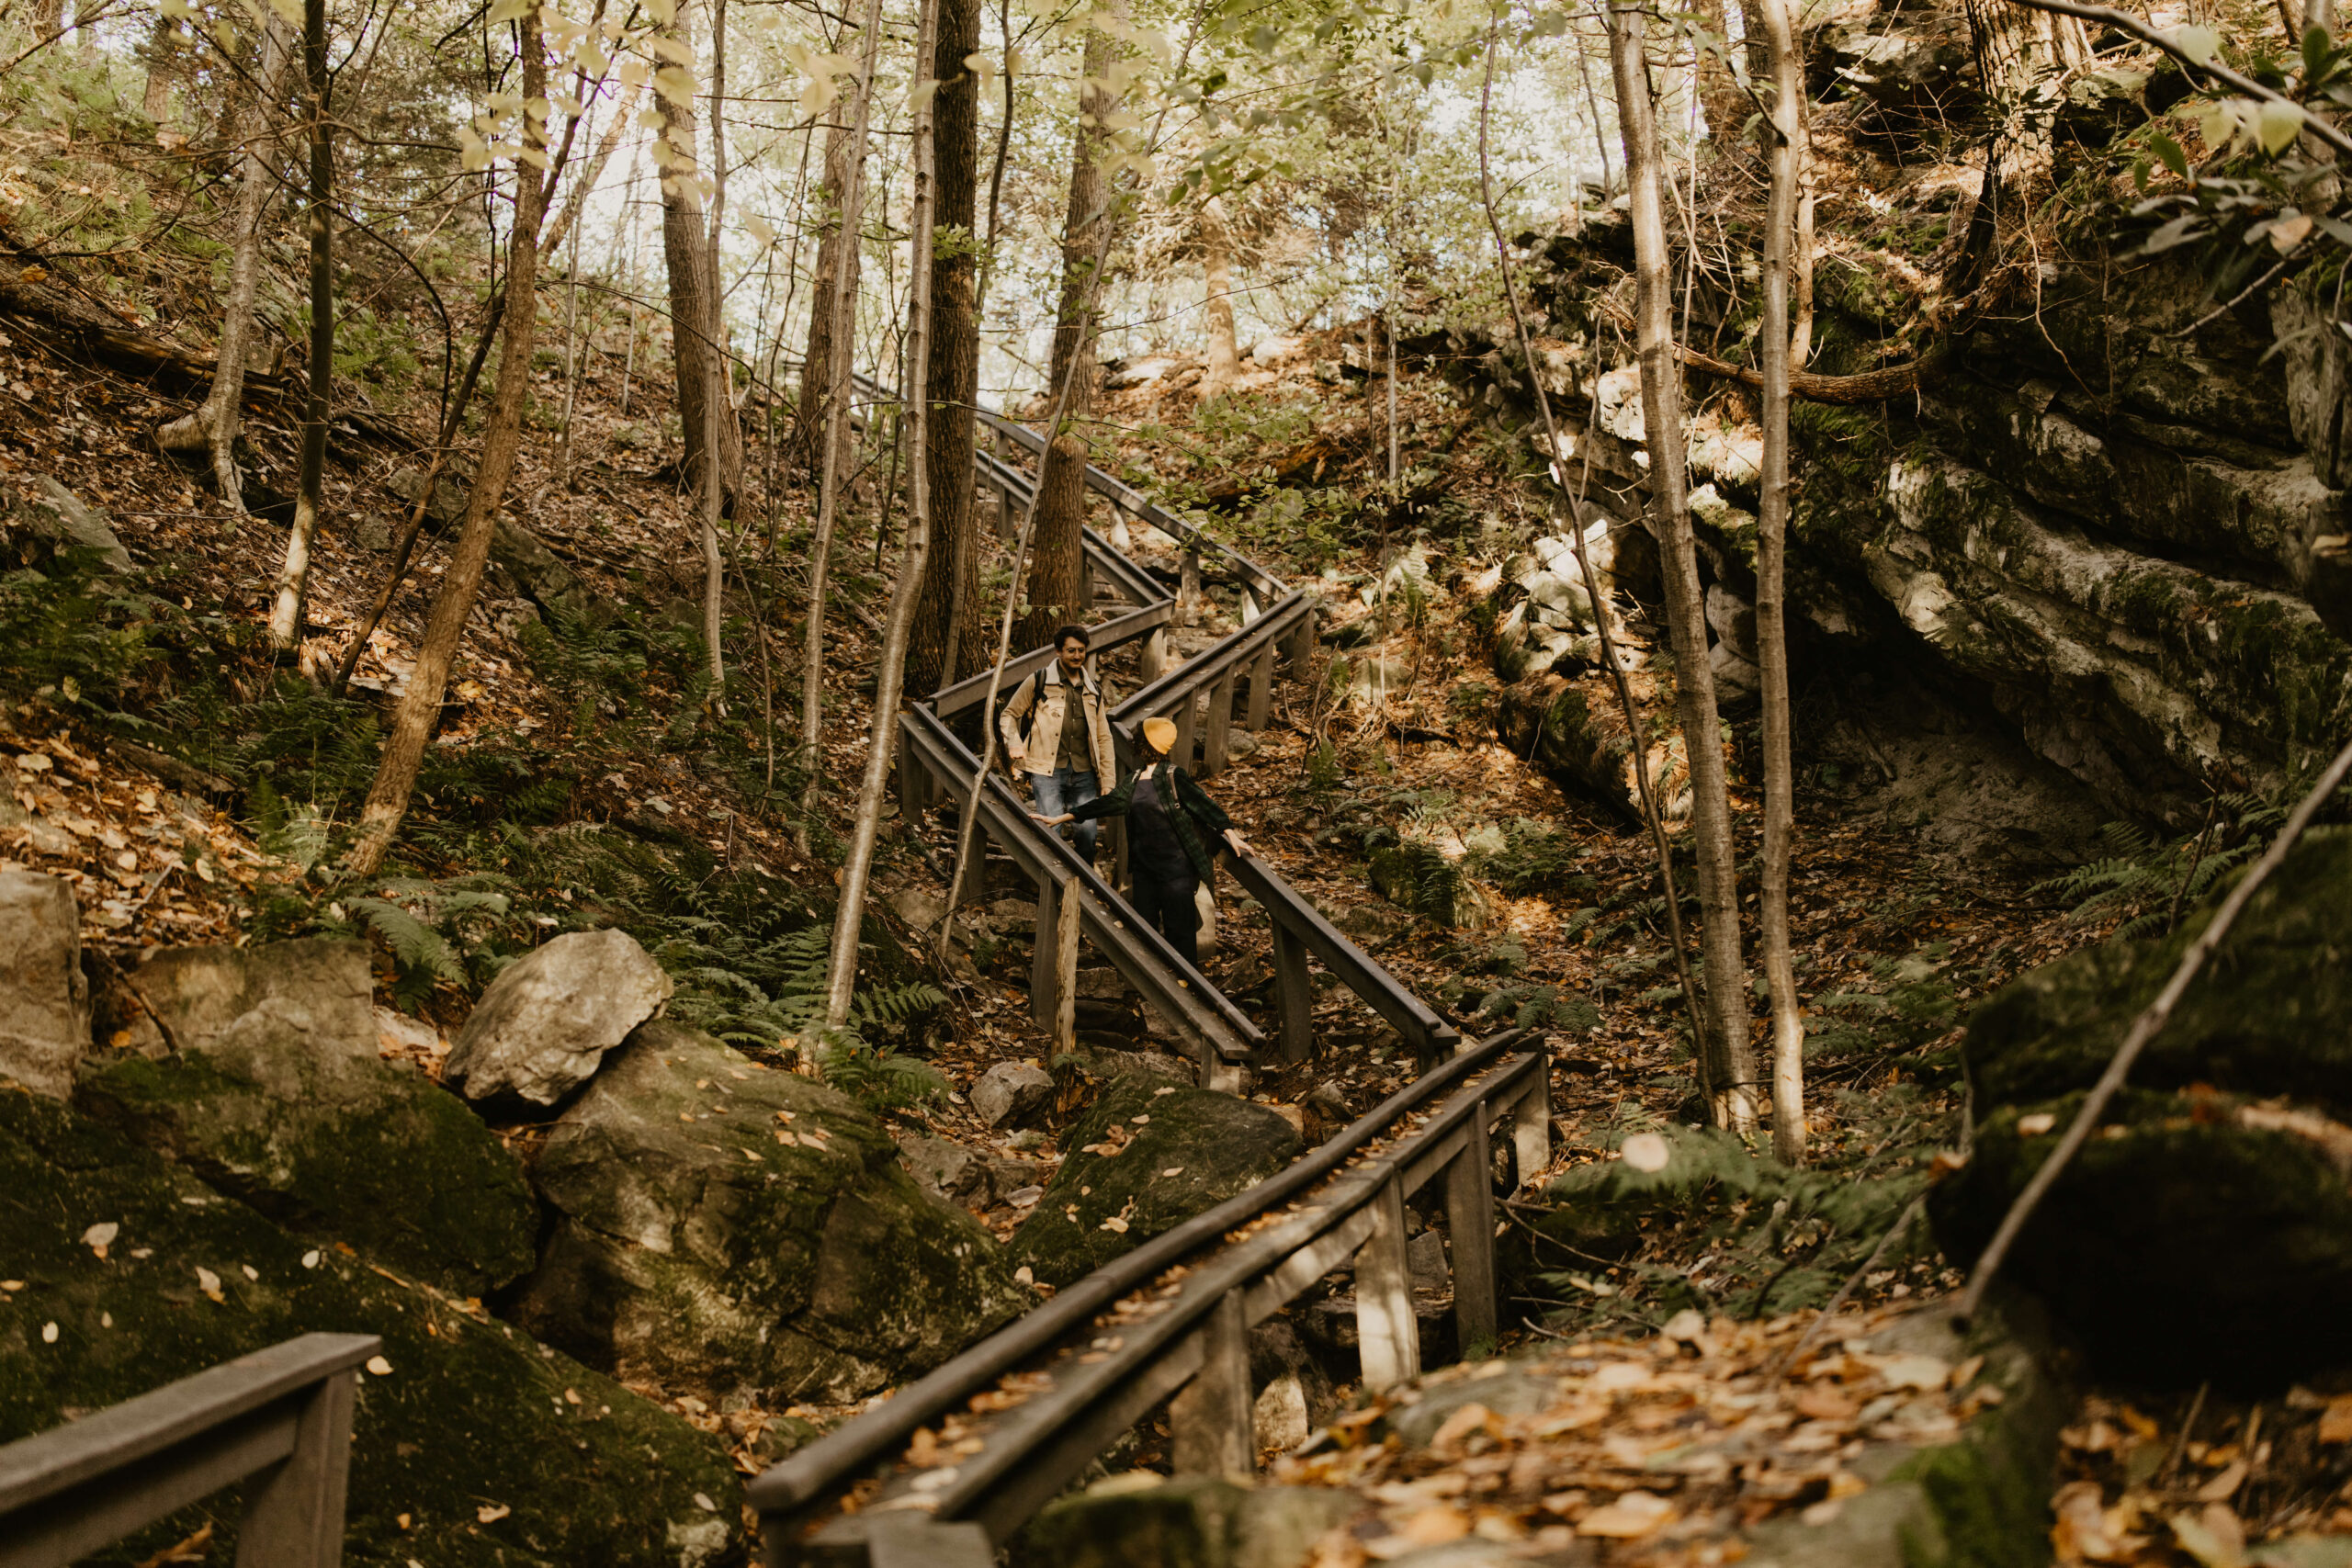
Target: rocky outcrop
[(545, 1023), (1144, 1160), (472, 1447), (44, 999), (2112, 525), (727, 1226), (275, 1093), (58, 517), (2207, 1230)]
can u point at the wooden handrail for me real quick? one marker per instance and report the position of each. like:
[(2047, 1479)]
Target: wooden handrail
[(1187, 1330), (1430, 1036), (1207, 667), (1125, 628), (282, 1414)]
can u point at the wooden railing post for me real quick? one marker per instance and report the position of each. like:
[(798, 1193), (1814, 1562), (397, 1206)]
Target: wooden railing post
[(1299, 646), (1154, 657), (1220, 735), (1053, 970), (1470, 1217), (1388, 1339), (1187, 727), (1261, 688), (1188, 586), (1531, 1131), (293, 1515), (1211, 1421), (1294, 995), (903, 1538)]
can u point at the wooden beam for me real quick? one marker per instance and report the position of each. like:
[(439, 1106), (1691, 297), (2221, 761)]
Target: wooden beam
[(1294, 997), (1470, 1219), (1262, 688), (1210, 1421), (1389, 1339), (1219, 740)]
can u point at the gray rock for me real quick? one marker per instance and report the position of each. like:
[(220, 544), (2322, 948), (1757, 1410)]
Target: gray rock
[(537, 572), (58, 517), (1279, 1416), (448, 508), (1127, 1522), (313, 997), (1425, 1259), (1012, 1094), (1512, 1392), (694, 1247), (920, 908), (467, 1414), (45, 837), (544, 1024), (44, 998), (275, 1093), (943, 1168), (1174, 1152)]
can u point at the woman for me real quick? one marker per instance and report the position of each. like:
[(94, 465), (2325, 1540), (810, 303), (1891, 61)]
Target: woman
[(1170, 826)]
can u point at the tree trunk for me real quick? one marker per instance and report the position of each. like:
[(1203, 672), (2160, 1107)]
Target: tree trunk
[(946, 642), (1058, 572), (586, 185), (1787, 161), (49, 18), (1223, 362), (294, 575), (841, 973), (420, 702), (694, 298), (1726, 1059), (833, 439), (832, 255), (163, 70), (214, 423)]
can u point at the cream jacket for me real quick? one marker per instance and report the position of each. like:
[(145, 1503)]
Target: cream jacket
[(1048, 697)]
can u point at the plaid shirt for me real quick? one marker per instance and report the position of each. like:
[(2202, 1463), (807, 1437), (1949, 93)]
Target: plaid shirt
[(1190, 811)]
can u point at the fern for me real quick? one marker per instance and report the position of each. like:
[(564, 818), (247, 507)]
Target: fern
[(421, 957), (2140, 882)]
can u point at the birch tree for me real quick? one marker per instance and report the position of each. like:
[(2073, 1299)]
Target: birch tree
[(214, 423), (841, 971), (1787, 135), (294, 574), (1725, 1058)]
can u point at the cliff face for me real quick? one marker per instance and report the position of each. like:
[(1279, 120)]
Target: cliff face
[(2109, 526)]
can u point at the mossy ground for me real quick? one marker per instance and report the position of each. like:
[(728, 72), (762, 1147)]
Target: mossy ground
[(479, 1447)]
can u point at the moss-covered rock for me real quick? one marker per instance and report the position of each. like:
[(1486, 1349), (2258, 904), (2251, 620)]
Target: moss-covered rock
[(479, 1447), (725, 1224), (368, 1152), (1143, 1161), (2207, 1229), (274, 1094)]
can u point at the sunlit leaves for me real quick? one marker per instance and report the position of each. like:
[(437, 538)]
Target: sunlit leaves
[(2199, 45), (2277, 125)]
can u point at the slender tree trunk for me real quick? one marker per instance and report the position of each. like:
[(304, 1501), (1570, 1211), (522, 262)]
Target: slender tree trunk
[(1726, 1058), (1003, 145), (163, 70), (841, 973), (570, 348), (294, 576), (214, 423), (559, 230), (1787, 160), (834, 438), (420, 702), (1058, 571), (833, 255), (945, 644), (1223, 362), (693, 294)]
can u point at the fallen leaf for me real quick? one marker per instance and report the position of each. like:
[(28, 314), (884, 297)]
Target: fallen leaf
[(2035, 1125), (209, 1282), (490, 1513), (100, 1235), (1173, 1170), (48, 1332), (310, 1258), (2336, 1421), (381, 1367), (2222, 1487), (1645, 1152), (1435, 1525), (2214, 1536), (1631, 1517)]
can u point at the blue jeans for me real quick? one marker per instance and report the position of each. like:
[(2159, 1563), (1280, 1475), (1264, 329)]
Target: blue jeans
[(1067, 789)]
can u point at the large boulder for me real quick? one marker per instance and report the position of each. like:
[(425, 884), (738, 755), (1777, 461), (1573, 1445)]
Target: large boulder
[(1143, 1161), (44, 999), (2207, 1229), (476, 1448), (723, 1223), (545, 1023), (276, 1094)]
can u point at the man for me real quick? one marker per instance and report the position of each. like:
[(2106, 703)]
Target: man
[(1056, 730), (1171, 824)]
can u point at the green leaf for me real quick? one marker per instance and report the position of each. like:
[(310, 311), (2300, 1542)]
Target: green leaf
[(2198, 45), (2278, 125), (2169, 151), (2317, 48)]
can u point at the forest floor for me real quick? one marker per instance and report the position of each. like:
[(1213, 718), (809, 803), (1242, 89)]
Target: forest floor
[(1563, 907)]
